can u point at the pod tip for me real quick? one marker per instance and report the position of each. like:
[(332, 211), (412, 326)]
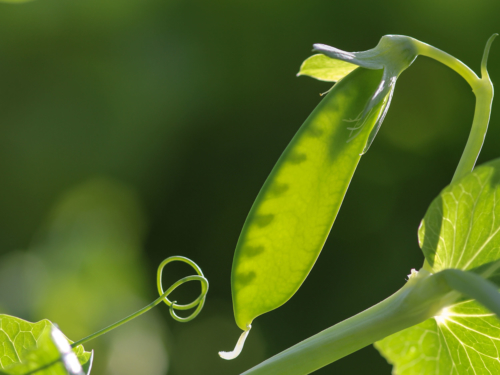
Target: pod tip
[(238, 348)]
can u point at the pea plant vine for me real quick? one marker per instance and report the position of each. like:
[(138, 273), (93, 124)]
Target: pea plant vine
[(443, 320)]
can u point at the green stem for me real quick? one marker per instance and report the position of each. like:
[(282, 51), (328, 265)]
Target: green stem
[(482, 112), (421, 298), (482, 88), (424, 296), (199, 302), (450, 61)]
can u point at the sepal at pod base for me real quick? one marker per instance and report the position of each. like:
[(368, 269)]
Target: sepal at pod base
[(393, 54)]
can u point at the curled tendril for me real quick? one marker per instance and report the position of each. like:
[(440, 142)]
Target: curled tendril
[(198, 302)]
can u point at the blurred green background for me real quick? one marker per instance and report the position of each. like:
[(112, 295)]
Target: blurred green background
[(133, 130)]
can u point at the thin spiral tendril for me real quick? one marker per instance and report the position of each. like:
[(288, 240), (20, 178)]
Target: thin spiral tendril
[(198, 302)]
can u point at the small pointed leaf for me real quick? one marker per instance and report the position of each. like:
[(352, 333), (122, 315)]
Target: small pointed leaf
[(325, 68)]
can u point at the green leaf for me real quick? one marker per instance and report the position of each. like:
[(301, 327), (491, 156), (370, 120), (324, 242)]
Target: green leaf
[(463, 340), (461, 230), (325, 68), (462, 226), (29, 346)]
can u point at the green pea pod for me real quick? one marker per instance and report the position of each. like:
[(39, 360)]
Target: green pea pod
[(290, 220)]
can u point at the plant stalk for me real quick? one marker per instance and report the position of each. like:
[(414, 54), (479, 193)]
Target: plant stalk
[(421, 298), (483, 90), (482, 113)]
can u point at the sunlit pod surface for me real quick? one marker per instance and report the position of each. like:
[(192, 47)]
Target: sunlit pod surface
[(293, 213)]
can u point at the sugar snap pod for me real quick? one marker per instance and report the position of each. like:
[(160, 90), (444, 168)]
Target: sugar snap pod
[(293, 213)]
